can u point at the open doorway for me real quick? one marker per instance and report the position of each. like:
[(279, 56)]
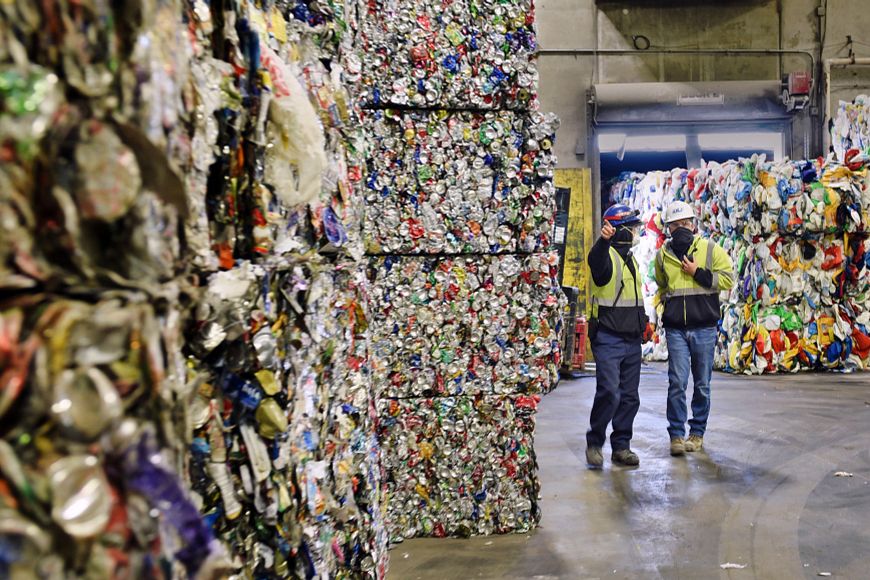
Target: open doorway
[(623, 150)]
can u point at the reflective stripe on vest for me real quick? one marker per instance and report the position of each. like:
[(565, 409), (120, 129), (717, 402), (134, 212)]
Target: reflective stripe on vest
[(695, 289), (622, 301)]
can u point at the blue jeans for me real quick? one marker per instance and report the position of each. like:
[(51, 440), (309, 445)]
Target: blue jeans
[(689, 349), (617, 375)]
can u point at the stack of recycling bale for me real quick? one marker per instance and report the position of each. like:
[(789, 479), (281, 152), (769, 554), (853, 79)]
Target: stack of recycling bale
[(465, 307), (185, 362), (796, 234), (94, 293), (850, 130), (283, 454)]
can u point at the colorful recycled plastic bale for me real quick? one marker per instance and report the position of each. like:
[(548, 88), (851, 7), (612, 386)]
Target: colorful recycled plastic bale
[(850, 130), (796, 232)]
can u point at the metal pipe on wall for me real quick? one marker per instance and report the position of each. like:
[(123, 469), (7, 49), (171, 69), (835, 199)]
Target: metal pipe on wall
[(779, 34), (737, 52)]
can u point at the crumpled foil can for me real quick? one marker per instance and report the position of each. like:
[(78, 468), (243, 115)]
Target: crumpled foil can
[(465, 325), (459, 466), (466, 54), (459, 182)]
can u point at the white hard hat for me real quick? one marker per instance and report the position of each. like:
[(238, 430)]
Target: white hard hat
[(678, 210)]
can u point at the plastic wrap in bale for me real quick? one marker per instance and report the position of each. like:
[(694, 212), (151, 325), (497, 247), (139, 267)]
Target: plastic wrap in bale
[(281, 345), (465, 54), (459, 466), (465, 325), (850, 129), (284, 453)]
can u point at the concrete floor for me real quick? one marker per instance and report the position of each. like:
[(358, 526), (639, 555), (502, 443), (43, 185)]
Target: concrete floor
[(763, 494)]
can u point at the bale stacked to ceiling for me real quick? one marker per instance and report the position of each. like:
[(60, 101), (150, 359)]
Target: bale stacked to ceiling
[(283, 453), (185, 306), (465, 306)]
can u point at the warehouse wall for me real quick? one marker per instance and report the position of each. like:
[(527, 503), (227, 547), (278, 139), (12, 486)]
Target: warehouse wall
[(689, 24)]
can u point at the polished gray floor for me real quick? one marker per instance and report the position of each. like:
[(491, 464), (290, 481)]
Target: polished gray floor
[(763, 495)]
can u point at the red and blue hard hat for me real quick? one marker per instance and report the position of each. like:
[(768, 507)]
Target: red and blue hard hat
[(621, 215)]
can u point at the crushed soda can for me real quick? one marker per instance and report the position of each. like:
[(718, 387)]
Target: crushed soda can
[(459, 466), (459, 182), (202, 431), (89, 387), (465, 325), (467, 54), (283, 435)]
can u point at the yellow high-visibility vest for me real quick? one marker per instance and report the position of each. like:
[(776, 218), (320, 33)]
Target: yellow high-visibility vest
[(681, 283), (609, 295)]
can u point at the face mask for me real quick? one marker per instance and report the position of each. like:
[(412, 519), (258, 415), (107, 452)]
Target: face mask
[(681, 240), (626, 237)]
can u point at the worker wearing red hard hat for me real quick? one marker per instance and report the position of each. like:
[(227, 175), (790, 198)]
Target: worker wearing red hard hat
[(616, 328)]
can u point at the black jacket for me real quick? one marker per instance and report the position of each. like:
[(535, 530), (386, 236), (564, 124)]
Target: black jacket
[(615, 320)]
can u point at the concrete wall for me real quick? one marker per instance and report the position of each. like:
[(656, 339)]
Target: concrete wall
[(691, 24)]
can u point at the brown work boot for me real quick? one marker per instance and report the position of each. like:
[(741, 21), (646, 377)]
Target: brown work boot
[(594, 458), (625, 457), (678, 446), (694, 443)]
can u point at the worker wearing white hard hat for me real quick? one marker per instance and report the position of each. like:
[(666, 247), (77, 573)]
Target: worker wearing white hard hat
[(679, 211), (690, 272)]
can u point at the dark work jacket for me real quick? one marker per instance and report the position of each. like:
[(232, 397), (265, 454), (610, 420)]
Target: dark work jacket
[(615, 320)]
